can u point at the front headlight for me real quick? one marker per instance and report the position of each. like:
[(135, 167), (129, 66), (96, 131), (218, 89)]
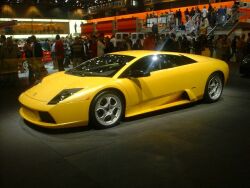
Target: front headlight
[(63, 95)]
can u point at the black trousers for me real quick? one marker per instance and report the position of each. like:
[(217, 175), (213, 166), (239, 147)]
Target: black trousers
[(60, 64)]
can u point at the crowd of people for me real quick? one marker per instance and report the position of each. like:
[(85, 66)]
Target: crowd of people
[(195, 20), (71, 51)]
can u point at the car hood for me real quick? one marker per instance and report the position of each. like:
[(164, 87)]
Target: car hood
[(55, 83)]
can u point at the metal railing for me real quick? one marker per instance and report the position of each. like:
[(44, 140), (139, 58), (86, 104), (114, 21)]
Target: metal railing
[(232, 20), (190, 27)]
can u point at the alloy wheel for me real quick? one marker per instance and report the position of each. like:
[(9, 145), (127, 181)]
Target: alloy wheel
[(108, 109)]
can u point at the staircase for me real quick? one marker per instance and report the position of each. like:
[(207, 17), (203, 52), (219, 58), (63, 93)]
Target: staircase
[(231, 24), (225, 29)]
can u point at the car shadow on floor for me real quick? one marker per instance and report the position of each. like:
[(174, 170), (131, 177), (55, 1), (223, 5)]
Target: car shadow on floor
[(130, 119), (58, 130), (163, 111)]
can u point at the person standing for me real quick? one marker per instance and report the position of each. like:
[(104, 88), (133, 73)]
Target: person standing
[(204, 12), (100, 46), (28, 50), (109, 47), (113, 40), (241, 48), (155, 28), (67, 52), (149, 42), (53, 55), (9, 58), (192, 12), (59, 51), (171, 44), (128, 43), (178, 17), (137, 45), (210, 45), (2, 44), (221, 15), (197, 46), (75, 27), (248, 43), (85, 46), (186, 13), (219, 47), (185, 45), (226, 44), (77, 51), (46, 45), (93, 47), (37, 65)]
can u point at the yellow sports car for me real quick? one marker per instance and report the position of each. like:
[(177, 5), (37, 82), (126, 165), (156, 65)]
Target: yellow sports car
[(103, 90)]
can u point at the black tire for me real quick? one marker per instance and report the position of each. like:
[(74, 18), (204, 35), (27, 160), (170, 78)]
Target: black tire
[(106, 110), (214, 88)]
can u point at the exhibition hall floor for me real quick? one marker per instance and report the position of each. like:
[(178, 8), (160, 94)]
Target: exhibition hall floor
[(199, 145)]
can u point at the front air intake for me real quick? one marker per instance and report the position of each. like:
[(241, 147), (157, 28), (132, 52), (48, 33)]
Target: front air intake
[(46, 117)]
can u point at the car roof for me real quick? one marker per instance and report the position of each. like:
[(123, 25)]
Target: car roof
[(142, 53)]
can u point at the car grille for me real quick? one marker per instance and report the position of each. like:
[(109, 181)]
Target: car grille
[(46, 117), (38, 115)]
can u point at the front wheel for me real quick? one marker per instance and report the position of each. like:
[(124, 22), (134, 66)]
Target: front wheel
[(214, 88), (106, 109)]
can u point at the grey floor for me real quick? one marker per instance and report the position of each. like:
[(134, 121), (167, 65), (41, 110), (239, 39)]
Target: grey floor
[(200, 145)]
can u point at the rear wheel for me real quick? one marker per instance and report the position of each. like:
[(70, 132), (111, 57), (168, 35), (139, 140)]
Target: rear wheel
[(106, 110), (214, 88)]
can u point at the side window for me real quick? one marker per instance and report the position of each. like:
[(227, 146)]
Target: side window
[(166, 62), (171, 61), (186, 60), (147, 64), (158, 62)]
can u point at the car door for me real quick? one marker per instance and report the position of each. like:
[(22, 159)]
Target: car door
[(185, 74), (166, 78), (152, 89)]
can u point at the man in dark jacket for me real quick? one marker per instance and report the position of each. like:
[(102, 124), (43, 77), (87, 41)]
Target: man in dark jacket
[(155, 28), (37, 69), (37, 48), (77, 51)]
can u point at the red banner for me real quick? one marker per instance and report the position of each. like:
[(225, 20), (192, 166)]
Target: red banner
[(126, 25), (87, 28), (105, 27)]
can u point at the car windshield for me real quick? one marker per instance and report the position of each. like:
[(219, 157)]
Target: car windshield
[(104, 66)]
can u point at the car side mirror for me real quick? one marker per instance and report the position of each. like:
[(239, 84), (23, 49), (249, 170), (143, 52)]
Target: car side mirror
[(138, 73)]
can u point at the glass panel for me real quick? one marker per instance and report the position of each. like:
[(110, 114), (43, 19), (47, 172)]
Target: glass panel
[(104, 66)]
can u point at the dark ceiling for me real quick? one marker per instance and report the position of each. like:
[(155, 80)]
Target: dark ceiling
[(64, 3)]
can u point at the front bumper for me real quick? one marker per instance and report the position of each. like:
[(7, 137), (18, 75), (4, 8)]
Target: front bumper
[(61, 115)]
